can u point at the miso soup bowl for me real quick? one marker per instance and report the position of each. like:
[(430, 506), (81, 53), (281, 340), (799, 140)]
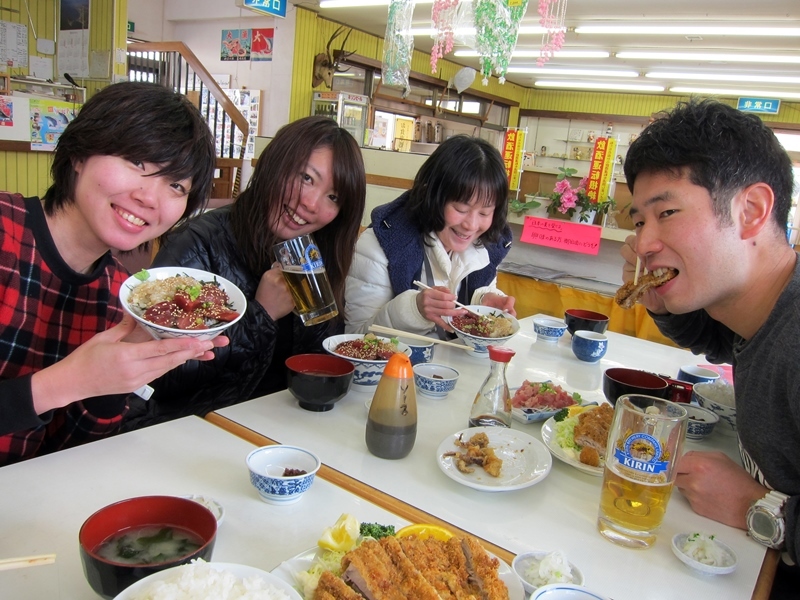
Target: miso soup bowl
[(108, 578)]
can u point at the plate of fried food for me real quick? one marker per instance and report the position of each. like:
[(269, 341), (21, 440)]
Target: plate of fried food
[(417, 565), (493, 459), (578, 436)]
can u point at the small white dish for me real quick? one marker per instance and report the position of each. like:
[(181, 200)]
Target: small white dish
[(730, 560), (526, 461), (566, 591), (211, 504), (522, 562), (548, 330)]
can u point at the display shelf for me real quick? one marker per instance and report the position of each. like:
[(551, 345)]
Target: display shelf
[(46, 89)]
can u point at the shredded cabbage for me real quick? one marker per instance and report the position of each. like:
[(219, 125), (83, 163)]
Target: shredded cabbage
[(565, 434), (329, 560)]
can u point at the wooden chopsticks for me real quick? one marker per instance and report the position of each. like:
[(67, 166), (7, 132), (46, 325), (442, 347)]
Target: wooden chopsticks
[(422, 286), (415, 336), (6, 564)]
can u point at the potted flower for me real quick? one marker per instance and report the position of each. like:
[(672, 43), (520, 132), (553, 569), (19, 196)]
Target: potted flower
[(570, 201)]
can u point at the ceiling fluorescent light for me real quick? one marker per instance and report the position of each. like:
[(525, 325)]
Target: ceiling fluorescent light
[(736, 93), (359, 3), (470, 31), (723, 77), (597, 85), (698, 56), (578, 72), (536, 53), (683, 30)]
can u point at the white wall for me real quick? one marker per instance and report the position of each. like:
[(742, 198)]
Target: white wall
[(199, 25)]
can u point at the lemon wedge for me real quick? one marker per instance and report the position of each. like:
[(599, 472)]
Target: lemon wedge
[(425, 531), (577, 409), (342, 537)]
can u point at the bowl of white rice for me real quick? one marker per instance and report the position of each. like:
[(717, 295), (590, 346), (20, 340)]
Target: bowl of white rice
[(158, 286), (221, 581), (718, 397)]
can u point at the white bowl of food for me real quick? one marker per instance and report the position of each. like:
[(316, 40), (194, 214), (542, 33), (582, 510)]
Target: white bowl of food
[(369, 354), (174, 302), (435, 381), (538, 568), (281, 474), (718, 397), (492, 327), (704, 553)]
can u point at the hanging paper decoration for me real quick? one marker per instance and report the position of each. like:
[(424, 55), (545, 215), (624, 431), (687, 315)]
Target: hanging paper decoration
[(443, 16), (496, 29), (398, 44), (552, 13)]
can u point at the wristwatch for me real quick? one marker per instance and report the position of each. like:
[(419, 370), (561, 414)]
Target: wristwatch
[(765, 522)]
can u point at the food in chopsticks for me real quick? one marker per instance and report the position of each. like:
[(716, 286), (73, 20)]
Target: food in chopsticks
[(543, 396), (486, 326), (476, 451), (412, 567), (370, 347), (584, 436), (182, 302), (631, 292)]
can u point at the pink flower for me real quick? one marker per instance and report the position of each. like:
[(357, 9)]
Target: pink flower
[(562, 186)]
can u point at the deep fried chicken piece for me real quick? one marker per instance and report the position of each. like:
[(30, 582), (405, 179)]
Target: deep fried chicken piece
[(629, 294)]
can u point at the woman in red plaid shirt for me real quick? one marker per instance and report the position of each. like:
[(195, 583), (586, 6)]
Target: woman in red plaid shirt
[(136, 160)]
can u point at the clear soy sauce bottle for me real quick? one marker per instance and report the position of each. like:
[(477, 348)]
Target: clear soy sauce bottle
[(492, 405), (392, 421)]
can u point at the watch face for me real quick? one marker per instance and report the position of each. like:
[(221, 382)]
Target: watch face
[(763, 525)]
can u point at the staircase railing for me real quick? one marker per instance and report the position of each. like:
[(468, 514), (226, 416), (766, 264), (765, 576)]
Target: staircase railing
[(174, 65)]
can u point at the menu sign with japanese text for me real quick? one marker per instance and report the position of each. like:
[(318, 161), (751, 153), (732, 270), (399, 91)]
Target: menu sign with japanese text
[(562, 235), (601, 171), (513, 146)]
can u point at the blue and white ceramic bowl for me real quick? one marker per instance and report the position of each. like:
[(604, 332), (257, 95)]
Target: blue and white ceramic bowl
[(367, 373), (237, 301), (480, 345), (549, 330), (701, 422), (695, 374), (435, 381), (267, 465), (589, 346), (421, 352), (718, 397)]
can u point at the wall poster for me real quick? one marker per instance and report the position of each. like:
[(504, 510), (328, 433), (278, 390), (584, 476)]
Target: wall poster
[(235, 44), (73, 38), (261, 47)]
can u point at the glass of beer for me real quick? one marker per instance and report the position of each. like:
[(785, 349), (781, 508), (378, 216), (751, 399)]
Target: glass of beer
[(304, 272), (644, 444)]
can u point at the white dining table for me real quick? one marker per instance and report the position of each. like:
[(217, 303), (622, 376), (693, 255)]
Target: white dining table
[(559, 512), (44, 501)]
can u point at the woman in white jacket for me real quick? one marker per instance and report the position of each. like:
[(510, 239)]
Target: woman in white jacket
[(449, 231)]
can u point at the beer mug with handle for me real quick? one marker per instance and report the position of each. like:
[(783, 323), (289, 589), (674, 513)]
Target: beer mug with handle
[(644, 444), (304, 272)]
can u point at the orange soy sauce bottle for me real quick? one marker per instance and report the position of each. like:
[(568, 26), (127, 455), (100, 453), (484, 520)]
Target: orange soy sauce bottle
[(392, 421)]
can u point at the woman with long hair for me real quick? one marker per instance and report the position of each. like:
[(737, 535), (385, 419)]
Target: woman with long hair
[(309, 179)]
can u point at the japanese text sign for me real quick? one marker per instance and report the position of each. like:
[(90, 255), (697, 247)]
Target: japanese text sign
[(601, 171), (562, 235), (769, 106), (513, 145)]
